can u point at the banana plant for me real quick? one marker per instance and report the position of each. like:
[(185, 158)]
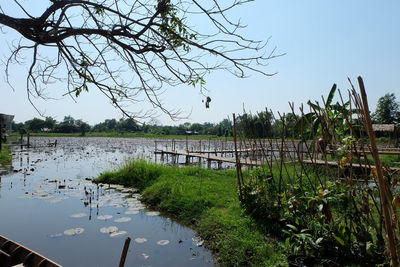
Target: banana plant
[(329, 121)]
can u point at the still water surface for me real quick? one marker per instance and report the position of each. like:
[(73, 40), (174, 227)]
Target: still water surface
[(50, 205)]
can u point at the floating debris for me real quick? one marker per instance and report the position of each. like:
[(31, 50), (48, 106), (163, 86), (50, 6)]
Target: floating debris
[(78, 215), (74, 231), (118, 234), (109, 230), (123, 219), (140, 240), (163, 242), (152, 213), (104, 217)]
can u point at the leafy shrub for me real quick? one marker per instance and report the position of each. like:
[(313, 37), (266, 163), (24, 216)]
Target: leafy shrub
[(328, 223)]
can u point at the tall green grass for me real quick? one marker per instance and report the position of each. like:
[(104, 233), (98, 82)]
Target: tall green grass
[(207, 201), (137, 173), (5, 157)]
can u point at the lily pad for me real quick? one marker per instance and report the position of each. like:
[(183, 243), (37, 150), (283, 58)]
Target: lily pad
[(118, 234), (26, 197), (55, 235), (74, 231), (104, 217), (78, 215), (140, 240), (56, 200), (152, 213), (127, 190), (122, 219), (163, 242), (131, 212), (145, 256), (109, 230)]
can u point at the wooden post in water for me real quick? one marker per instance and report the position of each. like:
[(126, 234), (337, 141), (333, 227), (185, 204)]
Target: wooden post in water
[(382, 184), (21, 140), (1, 132), (28, 137), (124, 252)]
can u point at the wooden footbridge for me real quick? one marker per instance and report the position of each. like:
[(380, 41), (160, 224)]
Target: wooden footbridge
[(250, 155), (210, 156)]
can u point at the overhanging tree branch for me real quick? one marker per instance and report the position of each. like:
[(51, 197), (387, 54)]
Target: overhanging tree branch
[(130, 50)]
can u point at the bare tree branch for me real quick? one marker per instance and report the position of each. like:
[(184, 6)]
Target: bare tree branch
[(131, 50)]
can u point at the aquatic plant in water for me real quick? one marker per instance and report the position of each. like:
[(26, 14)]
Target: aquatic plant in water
[(109, 230), (78, 215), (104, 217), (140, 240), (163, 242), (74, 231), (152, 213), (118, 234), (123, 219)]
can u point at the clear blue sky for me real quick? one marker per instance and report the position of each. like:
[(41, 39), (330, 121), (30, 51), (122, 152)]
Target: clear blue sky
[(325, 42)]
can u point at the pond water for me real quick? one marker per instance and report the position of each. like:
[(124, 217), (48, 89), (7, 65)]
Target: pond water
[(50, 205)]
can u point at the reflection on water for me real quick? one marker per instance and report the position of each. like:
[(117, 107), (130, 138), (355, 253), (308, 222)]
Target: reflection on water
[(50, 205)]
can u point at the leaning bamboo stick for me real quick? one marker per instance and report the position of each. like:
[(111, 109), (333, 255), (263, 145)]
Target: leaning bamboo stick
[(381, 182)]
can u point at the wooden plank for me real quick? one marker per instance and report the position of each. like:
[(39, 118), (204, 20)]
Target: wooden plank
[(336, 164)]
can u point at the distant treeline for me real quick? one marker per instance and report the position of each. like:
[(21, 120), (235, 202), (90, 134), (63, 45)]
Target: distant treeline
[(128, 125), (259, 125)]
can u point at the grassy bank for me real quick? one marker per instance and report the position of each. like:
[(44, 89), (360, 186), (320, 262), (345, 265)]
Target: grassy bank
[(207, 201), (5, 157)]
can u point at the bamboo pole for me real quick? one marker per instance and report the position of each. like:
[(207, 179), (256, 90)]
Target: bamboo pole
[(238, 167), (381, 182)]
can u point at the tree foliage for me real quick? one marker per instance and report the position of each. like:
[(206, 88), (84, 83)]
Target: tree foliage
[(123, 125), (387, 110), (259, 125), (129, 50)]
